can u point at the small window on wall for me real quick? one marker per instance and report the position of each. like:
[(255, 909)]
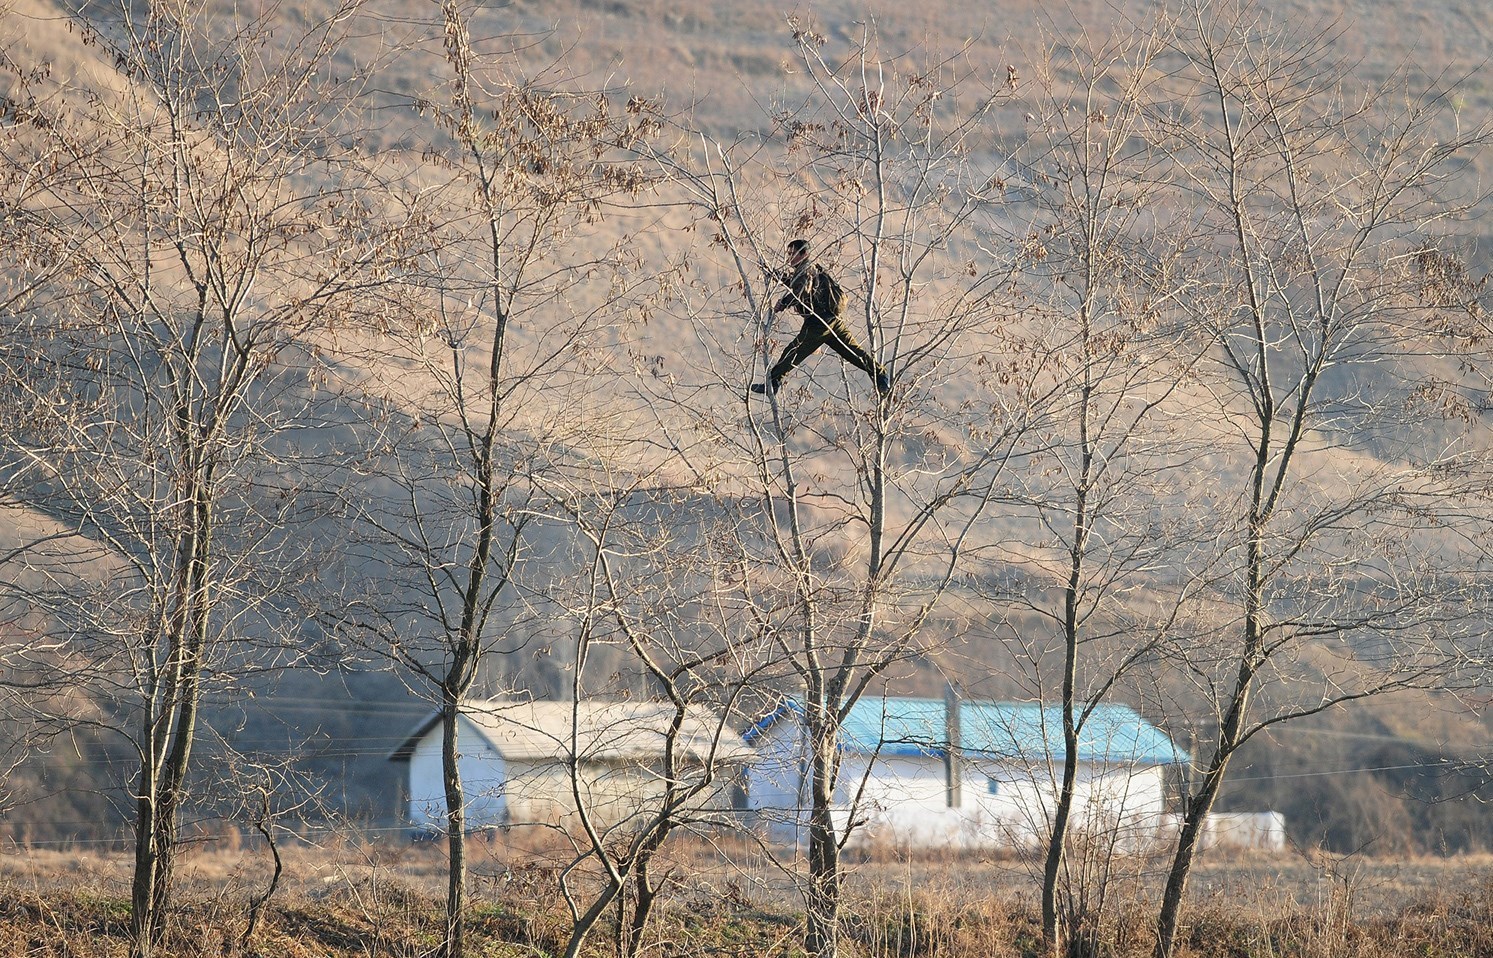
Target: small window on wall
[(993, 785)]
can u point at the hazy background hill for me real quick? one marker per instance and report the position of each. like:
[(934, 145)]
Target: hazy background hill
[(1395, 776)]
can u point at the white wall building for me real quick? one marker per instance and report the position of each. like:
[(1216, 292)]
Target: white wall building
[(515, 759), (904, 786)]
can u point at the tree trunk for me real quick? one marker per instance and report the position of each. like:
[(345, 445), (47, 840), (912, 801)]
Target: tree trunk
[(143, 883), (1193, 818), (170, 792), (456, 839), (1057, 844), (164, 836), (169, 731), (1062, 814), (821, 936), (612, 892), (1230, 737), (642, 907), (172, 785), (1078, 551)]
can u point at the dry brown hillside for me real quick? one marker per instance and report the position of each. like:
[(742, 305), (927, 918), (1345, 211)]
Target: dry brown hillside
[(674, 348)]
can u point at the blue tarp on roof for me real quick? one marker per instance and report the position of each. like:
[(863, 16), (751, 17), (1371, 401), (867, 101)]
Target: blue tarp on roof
[(1026, 730)]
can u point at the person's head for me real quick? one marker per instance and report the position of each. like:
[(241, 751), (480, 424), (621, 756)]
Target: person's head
[(798, 253)]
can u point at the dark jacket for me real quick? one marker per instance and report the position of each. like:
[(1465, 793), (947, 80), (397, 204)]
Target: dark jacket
[(808, 295)]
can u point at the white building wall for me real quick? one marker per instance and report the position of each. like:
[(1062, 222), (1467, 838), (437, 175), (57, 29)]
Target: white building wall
[(904, 801), (1007, 804), (612, 794), (1264, 831), (482, 777), (1123, 804), (1013, 804), (776, 786)]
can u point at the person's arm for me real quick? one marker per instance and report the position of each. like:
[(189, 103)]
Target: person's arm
[(797, 296)]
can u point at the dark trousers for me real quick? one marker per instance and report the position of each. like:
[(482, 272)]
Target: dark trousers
[(815, 334)]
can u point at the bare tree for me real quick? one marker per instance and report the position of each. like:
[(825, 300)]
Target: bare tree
[(185, 225), (1107, 276), (265, 793), (855, 511), (1346, 482), (495, 365), (653, 626)]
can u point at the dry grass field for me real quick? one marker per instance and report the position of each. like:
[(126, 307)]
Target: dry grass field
[(349, 898)]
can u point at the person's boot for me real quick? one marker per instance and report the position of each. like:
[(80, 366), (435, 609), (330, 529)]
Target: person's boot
[(883, 384), (762, 389)]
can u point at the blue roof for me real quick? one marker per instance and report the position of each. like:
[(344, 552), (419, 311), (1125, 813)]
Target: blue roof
[(1027, 730)]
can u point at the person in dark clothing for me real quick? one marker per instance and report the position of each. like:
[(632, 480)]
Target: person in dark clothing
[(815, 296)]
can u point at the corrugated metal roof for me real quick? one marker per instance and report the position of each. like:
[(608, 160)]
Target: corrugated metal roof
[(1027, 730), (604, 731)]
